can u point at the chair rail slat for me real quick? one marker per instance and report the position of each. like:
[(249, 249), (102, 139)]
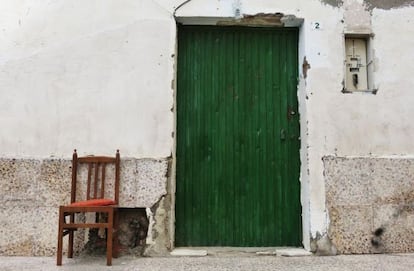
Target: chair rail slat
[(103, 181), (95, 183)]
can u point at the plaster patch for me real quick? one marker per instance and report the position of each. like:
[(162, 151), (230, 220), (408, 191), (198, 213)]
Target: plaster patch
[(323, 246), (334, 3), (263, 20), (357, 18), (305, 67), (371, 4), (388, 4), (158, 239)]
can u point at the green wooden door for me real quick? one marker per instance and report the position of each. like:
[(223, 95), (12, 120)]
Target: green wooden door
[(237, 137)]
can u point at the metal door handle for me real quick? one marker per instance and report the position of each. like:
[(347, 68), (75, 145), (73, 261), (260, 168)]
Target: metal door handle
[(282, 134)]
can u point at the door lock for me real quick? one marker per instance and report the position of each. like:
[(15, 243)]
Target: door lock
[(282, 134)]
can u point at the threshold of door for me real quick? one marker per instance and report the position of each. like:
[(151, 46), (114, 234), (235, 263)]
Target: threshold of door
[(240, 251), (193, 252)]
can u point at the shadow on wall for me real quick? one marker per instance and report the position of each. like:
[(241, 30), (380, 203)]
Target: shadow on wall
[(132, 234), (402, 212)]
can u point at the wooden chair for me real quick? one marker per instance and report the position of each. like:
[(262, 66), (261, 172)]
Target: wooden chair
[(96, 201)]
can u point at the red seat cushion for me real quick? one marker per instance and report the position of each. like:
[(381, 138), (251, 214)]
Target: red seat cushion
[(93, 202)]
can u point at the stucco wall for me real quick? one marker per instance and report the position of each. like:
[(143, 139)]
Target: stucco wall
[(99, 75), (95, 75)]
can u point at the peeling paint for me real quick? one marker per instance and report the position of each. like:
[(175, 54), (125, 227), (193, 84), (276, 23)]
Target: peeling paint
[(388, 4), (264, 20), (260, 19), (322, 245), (371, 4), (305, 67), (158, 239), (334, 3), (42, 59)]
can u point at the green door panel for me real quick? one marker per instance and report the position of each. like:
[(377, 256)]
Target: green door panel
[(237, 181)]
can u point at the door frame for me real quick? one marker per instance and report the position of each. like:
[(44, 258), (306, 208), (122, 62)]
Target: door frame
[(303, 152)]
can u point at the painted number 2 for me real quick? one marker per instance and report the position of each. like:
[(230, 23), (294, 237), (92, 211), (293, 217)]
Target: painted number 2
[(316, 25)]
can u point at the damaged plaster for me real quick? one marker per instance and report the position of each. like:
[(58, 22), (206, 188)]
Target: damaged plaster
[(158, 242), (305, 67), (371, 4), (264, 19), (388, 4), (54, 74), (321, 245), (334, 3), (357, 18), (32, 190), (260, 19)]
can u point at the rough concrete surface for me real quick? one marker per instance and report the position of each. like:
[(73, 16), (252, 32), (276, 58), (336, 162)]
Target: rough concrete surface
[(32, 189), (371, 204), (376, 262)]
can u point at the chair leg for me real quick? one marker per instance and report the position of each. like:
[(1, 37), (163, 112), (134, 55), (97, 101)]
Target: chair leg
[(115, 249), (109, 238), (71, 237), (60, 238)]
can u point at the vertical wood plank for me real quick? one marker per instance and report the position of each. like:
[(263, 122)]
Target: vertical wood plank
[(237, 178)]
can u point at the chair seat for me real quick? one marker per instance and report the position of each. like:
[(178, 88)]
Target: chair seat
[(93, 202)]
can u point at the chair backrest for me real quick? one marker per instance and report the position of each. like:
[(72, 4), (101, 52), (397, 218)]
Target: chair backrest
[(96, 179)]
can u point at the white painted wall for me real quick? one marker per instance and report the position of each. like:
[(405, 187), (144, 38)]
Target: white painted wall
[(98, 75), (92, 75)]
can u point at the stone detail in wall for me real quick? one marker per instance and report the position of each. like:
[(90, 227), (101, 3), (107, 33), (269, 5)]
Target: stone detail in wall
[(53, 182), (151, 181), (18, 182), (370, 202), (32, 189)]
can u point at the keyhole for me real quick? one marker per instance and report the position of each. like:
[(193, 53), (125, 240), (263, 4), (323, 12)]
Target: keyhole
[(355, 79)]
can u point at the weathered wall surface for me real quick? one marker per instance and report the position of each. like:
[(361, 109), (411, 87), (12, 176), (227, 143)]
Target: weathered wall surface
[(32, 191), (99, 75), (370, 203), (92, 75), (86, 74)]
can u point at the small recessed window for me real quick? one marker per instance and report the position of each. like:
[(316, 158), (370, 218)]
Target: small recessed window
[(358, 64)]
